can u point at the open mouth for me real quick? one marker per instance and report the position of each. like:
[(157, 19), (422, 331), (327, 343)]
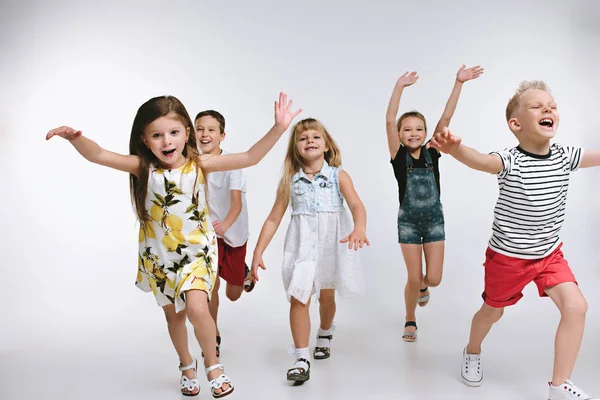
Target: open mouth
[(205, 141), (310, 148), (168, 153), (547, 122)]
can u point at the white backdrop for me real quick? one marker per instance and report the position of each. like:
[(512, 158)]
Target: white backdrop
[(69, 235)]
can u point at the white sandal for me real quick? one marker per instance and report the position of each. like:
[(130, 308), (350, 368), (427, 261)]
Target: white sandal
[(218, 382), (188, 386)]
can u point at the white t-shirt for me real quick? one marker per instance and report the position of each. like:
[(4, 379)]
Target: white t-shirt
[(219, 201), (531, 205)]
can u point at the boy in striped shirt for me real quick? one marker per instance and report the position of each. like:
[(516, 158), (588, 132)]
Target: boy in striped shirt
[(533, 180)]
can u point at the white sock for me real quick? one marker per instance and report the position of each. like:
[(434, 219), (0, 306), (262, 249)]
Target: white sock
[(302, 353), (323, 332)]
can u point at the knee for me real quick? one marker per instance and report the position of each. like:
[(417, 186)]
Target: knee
[(492, 315), (196, 311), (576, 307), (414, 282), (433, 281), (234, 295), (296, 304)]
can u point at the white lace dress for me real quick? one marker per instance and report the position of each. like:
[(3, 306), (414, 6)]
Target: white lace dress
[(314, 258)]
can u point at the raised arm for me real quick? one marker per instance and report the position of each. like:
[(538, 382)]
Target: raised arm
[(358, 236), (392, 111), (283, 118), (266, 234), (463, 75), (590, 158), (91, 151), (447, 143)]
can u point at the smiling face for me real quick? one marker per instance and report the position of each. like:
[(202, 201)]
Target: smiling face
[(536, 117), (166, 138), (311, 145), (209, 135), (412, 132)]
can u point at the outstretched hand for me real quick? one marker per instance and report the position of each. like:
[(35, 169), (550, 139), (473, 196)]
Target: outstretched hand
[(257, 261), (466, 74), (64, 132), (357, 238), (444, 141), (283, 113), (407, 79)]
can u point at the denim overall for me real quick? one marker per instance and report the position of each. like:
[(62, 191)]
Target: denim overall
[(421, 216)]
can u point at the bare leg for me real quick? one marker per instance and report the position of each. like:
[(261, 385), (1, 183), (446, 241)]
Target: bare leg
[(214, 303), (434, 263), (327, 308), (481, 325), (573, 307), (414, 264), (178, 334), (204, 327), (300, 323)]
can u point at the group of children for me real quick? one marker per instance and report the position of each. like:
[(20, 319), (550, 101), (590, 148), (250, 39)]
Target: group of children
[(189, 197)]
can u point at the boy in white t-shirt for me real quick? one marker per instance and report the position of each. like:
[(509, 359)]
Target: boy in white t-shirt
[(228, 213)]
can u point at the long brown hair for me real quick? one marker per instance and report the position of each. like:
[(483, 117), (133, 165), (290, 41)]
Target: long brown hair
[(148, 112), (293, 161)]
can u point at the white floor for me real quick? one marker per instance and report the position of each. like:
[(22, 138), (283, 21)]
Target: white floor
[(129, 356)]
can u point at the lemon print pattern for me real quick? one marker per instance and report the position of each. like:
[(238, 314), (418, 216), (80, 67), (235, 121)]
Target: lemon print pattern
[(177, 244)]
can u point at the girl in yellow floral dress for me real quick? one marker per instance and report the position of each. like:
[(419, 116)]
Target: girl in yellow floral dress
[(178, 247)]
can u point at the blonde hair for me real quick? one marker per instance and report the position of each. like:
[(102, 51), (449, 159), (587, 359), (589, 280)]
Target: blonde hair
[(293, 161), (513, 103)]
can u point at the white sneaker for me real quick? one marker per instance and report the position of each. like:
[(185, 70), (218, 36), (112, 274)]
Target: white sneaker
[(568, 391), (471, 369)]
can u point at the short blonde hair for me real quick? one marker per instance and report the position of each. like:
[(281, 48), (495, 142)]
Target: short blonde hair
[(513, 103)]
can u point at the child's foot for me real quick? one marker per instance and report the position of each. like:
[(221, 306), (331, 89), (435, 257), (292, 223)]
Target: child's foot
[(424, 296), (471, 371), (323, 347), (410, 331), (189, 383), (220, 384), (300, 372), (568, 391)]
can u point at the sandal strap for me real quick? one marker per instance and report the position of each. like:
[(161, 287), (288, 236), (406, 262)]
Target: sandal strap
[(213, 367), (410, 323), (329, 337), (423, 290), (193, 365), (301, 369)]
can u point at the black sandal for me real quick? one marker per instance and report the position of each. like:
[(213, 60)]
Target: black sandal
[(410, 336), (301, 374), (248, 284), (218, 347), (325, 351)]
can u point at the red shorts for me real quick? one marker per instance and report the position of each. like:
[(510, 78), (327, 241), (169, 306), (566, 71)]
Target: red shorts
[(232, 263), (505, 277)]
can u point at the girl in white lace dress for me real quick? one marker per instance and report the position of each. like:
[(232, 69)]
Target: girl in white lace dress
[(320, 246)]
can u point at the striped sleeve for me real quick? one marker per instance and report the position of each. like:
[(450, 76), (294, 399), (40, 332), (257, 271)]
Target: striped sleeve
[(507, 161), (574, 155)]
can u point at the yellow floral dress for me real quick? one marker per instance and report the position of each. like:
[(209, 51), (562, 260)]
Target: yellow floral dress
[(178, 246)]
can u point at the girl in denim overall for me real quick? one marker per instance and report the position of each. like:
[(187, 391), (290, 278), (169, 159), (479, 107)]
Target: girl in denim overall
[(319, 252), (420, 216)]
